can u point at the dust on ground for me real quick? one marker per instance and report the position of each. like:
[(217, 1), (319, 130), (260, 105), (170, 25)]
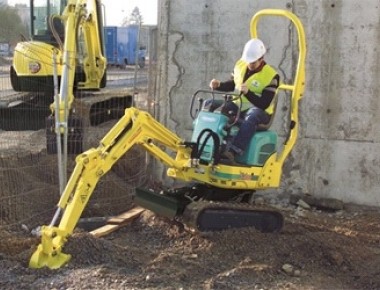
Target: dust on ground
[(315, 250)]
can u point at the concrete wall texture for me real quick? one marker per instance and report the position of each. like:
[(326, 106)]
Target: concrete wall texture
[(337, 153)]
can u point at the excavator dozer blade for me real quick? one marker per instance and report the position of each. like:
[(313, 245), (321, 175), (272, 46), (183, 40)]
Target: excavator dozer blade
[(40, 259), (158, 203), (23, 112)]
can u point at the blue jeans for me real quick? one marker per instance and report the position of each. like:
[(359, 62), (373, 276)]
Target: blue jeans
[(251, 119)]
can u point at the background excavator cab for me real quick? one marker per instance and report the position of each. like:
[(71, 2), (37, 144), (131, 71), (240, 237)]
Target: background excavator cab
[(32, 69), (41, 25)]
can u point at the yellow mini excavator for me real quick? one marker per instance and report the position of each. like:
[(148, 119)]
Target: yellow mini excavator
[(65, 56), (58, 27), (209, 202)]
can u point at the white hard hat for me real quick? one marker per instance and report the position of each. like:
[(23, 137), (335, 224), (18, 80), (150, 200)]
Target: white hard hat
[(253, 50)]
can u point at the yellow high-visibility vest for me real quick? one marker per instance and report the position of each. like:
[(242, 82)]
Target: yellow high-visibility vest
[(255, 83)]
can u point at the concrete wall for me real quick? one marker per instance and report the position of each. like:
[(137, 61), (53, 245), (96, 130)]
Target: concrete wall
[(338, 152)]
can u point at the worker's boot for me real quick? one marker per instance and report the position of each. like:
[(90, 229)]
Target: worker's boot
[(228, 157)]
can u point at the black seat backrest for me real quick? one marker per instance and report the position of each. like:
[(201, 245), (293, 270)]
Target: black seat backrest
[(264, 127)]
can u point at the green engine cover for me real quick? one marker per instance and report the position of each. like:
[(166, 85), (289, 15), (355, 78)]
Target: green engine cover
[(262, 146), (212, 121)]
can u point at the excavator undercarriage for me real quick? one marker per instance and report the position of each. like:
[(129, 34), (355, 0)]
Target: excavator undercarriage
[(206, 208)]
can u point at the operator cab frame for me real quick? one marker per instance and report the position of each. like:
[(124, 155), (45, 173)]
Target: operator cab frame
[(41, 22)]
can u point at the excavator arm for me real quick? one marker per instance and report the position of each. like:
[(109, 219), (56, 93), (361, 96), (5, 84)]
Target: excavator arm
[(82, 21), (135, 128)]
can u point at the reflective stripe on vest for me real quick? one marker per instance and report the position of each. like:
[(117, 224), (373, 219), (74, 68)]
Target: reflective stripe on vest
[(255, 83)]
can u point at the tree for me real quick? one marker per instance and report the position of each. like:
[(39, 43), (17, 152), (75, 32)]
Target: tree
[(11, 25), (134, 18)]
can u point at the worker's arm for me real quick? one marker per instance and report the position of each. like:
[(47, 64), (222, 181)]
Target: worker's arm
[(226, 86), (267, 95)]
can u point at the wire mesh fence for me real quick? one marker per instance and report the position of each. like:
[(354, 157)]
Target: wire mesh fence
[(29, 183)]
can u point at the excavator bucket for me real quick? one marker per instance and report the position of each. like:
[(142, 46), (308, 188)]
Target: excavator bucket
[(40, 259), (49, 252)]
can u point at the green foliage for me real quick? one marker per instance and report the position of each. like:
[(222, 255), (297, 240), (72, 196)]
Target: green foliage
[(11, 25)]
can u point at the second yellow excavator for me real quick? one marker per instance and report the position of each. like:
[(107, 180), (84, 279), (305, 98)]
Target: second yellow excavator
[(58, 27)]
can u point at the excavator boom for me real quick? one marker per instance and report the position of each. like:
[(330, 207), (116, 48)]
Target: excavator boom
[(135, 128)]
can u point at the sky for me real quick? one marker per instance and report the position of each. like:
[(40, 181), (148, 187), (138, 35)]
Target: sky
[(116, 10)]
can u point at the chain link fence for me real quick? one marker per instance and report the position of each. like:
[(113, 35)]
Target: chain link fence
[(29, 183)]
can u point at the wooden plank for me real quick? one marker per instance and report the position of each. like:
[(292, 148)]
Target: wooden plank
[(124, 217), (117, 222)]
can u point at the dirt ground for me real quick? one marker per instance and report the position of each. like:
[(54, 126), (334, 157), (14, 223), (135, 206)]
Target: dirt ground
[(315, 250)]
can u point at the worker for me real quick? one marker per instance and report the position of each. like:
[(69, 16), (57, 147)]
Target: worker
[(256, 82)]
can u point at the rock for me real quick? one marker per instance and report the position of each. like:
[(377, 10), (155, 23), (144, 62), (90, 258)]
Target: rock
[(303, 204), (288, 269), (29, 278), (336, 258), (259, 201), (320, 203)]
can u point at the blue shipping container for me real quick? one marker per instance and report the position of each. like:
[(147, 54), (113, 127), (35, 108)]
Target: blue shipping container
[(121, 45)]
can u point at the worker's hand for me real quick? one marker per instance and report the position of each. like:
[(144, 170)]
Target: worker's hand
[(214, 84), (244, 89)]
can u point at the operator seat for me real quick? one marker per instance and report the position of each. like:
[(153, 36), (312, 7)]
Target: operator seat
[(264, 127)]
